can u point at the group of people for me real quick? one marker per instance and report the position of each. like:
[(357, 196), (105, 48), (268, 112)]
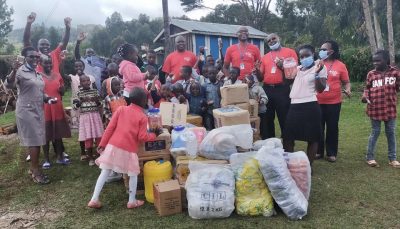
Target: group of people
[(109, 100)]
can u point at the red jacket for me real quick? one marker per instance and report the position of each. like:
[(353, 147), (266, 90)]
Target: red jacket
[(127, 128)]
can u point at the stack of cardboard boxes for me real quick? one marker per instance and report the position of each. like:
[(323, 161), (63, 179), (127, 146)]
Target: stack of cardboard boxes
[(237, 108)]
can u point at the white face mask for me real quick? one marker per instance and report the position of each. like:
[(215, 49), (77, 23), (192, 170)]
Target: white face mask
[(275, 46)]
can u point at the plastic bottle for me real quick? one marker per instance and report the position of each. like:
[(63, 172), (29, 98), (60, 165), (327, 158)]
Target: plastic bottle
[(191, 144), (178, 141), (290, 68), (155, 171), (154, 119)]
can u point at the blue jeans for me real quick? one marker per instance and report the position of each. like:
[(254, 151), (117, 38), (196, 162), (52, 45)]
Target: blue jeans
[(390, 127)]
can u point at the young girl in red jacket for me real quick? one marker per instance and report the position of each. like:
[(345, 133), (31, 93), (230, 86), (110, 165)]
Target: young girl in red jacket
[(119, 145)]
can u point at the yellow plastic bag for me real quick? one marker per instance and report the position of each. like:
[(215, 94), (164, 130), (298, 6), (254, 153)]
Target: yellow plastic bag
[(252, 196)]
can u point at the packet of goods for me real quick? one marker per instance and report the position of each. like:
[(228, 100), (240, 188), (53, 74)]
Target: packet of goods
[(210, 191), (290, 68), (270, 143), (300, 169), (281, 184), (252, 195), (220, 143)]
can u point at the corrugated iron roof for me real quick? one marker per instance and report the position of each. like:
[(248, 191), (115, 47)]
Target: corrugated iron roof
[(215, 28), (199, 27)]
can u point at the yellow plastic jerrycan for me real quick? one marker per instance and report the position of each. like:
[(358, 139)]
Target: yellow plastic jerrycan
[(155, 171)]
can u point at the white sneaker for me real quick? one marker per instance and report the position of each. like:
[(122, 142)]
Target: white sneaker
[(66, 155), (28, 158), (113, 177)]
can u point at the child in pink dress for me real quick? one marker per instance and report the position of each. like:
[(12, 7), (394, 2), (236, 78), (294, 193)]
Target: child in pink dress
[(90, 124), (119, 145)]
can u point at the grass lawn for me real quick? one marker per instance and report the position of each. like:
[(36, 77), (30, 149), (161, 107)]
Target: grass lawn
[(346, 194)]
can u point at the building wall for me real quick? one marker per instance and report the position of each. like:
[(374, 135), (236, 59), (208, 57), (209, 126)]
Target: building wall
[(211, 42)]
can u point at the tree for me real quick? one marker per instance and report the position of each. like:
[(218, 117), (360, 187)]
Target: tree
[(101, 41), (38, 32), (5, 21), (389, 16), (368, 26), (54, 37), (378, 32), (253, 11), (115, 24)]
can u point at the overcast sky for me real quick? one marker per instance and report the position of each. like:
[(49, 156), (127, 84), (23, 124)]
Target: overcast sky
[(52, 12)]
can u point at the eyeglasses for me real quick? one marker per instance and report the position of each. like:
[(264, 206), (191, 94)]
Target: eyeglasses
[(34, 56)]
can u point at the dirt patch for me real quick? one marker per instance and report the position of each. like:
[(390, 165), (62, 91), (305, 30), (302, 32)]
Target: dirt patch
[(9, 138), (28, 218)]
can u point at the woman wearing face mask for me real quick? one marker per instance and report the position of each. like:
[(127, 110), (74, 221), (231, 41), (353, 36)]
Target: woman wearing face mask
[(29, 110), (330, 99), (303, 121)]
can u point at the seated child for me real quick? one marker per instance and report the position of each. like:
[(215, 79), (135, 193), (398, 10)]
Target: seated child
[(234, 73), (213, 96), (152, 80), (257, 93), (179, 96), (197, 101), (119, 146)]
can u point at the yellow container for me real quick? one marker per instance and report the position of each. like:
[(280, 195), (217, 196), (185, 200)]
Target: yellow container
[(155, 171)]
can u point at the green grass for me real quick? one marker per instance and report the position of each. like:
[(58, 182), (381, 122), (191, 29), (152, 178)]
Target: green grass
[(346, 194)]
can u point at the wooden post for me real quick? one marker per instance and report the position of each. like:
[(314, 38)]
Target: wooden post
[(167, 45)]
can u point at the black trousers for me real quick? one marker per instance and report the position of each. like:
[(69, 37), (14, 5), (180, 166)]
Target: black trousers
[(330, 114), (279, 102)]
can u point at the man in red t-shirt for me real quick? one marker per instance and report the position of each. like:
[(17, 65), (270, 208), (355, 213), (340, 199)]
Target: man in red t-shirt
[(275, 85), (242, 55), (44, 44), (177, 59)]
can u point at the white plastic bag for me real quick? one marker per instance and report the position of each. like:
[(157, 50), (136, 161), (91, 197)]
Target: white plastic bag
[(270, 143), (210, 191), (220, 143), (252, 197), (300, 169), (281, 184)]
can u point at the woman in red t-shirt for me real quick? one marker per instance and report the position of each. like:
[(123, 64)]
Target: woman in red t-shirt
[(330, 99)]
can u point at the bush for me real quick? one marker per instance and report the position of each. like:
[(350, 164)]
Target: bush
[(358, 62)]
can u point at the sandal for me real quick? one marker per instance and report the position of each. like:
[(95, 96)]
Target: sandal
[(136, 204), (394, 164), (84, 157), (94, 204), (372, 163), (46, 165), (39, 178), (64, 161)]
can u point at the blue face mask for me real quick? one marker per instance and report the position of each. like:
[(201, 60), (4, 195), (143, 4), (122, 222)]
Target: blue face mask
[(275, 46), (323, 54), (307, 62)]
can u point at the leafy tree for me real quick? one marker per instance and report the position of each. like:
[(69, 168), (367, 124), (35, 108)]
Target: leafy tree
[(101, 41), (115, 24), (38, 32), (54, 37), (5, 21)]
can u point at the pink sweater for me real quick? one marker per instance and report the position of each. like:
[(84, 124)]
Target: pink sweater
[(131, 75), (127, 129)]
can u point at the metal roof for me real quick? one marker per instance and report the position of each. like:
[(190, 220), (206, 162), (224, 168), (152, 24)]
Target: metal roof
[(199, 27)]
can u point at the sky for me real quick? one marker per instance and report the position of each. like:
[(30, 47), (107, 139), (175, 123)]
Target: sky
[(52, 12)]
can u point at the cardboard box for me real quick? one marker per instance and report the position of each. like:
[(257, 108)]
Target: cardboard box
[(167, 197), (253, 108), (173, 114), (161, 145), (182, 166), (196, 120), (243, 106), (255, 124), (234, 94), (230, 115), (183, 197)]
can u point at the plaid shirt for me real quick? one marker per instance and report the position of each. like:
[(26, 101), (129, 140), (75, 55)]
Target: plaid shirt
[(381, 89), (111, 103)]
